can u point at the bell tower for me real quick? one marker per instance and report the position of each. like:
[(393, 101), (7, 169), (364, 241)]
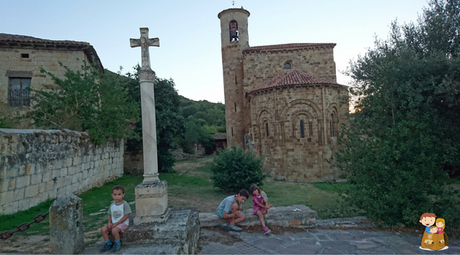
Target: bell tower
[(234, 39)]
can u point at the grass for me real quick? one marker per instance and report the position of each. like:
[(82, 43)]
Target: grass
[(189, 185)]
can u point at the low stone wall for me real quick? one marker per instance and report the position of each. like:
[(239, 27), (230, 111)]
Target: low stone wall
[(298, 216), (37, 165)]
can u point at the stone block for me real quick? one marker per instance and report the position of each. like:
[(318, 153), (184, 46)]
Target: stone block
[(71, 170), (56, 173), (46, 176), (66, 225), (151, 200), (64, 171), (182, 230), (35, 179), (79, 168), (11, 172), (297, 215), (76, 161), (49, 185), (18, 194), (7, 197), (60, 182), (59, 163), (68, 180), (22, 181), (68, 162), (10, 208), (32, 190)]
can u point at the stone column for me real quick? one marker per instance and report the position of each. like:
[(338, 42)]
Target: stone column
[(151, 194), (66, 225)]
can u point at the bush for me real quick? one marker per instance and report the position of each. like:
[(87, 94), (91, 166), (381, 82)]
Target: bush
[(235, 169)]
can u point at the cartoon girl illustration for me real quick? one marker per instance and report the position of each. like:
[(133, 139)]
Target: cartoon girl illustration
[(441, 224)]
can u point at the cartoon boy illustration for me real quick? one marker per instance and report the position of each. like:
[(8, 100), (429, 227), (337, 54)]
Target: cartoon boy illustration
[(428, 220), (434, 238)]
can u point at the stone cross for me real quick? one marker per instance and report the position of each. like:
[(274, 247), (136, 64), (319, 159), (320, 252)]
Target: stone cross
[(149, 133), (144, 42), (151, 194)]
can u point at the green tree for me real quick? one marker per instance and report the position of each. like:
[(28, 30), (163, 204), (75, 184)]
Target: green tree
[(85, 100), (235, 169), (404, 138), (169, 121)]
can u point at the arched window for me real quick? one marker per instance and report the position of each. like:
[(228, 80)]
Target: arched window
[(302, 130), (266, 129), (233, 29), (235, 106)]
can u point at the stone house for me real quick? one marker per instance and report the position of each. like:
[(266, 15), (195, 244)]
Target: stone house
[(282, 101), (22, 57)]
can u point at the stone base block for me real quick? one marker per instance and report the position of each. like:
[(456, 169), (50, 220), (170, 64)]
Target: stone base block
[(298, 216), (151, 200), (182, 229), (153, 218)]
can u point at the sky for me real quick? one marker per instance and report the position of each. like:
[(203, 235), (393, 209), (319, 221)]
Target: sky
[(189, 31)]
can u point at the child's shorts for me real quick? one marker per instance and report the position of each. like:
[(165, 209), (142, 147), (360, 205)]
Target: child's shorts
[(122, 227), (220, 214)]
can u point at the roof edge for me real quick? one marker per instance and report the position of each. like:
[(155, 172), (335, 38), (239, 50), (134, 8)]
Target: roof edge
[(233, 9)]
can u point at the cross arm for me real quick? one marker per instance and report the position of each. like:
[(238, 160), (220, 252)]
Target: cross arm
[(151, 42)]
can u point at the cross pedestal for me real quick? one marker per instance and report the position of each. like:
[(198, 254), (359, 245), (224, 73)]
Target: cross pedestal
[(151, 194)]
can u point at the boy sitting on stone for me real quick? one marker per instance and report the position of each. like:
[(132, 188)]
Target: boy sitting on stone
[(118, 212), (230, 208)]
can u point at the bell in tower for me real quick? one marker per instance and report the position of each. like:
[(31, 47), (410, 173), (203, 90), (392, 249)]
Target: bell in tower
[(233, 31)]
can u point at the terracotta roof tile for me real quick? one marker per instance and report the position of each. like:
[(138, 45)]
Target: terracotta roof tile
[(29, 39), (287, 46), (9, 40), (294, 77)]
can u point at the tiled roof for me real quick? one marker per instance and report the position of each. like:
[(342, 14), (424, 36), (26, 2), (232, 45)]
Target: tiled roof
[(294, 77), (220, 136), (287, 46), (9, 41)]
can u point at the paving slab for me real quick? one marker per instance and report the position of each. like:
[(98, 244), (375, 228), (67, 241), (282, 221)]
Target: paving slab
[(325, 241)]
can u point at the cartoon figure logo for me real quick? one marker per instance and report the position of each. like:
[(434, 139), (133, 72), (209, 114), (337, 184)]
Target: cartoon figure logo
[(434, 238)]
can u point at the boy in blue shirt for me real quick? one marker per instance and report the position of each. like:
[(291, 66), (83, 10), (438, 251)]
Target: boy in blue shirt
[(230, 208)]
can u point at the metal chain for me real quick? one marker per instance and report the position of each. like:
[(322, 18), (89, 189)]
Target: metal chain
[(24, 226)]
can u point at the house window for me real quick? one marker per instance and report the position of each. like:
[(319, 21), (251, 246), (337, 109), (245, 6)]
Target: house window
[(19, 92), (302, 131)]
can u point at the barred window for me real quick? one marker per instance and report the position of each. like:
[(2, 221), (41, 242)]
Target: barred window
[(19, 92)]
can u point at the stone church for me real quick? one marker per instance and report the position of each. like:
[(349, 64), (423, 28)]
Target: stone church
[(282, 101)]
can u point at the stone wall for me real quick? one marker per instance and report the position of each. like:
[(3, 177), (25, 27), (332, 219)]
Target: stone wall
[(262, 66), (12, 61), (276, 117), (37, 165)]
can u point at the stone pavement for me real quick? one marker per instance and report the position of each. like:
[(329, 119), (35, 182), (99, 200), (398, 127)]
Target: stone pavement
[(319, 241)]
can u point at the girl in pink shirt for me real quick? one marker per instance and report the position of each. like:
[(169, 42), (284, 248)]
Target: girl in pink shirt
[(260, 205)]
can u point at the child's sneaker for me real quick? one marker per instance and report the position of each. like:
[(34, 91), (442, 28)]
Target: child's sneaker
[(234, 228), (266, 230), (224, 227), (116, 247), (106, 247)]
